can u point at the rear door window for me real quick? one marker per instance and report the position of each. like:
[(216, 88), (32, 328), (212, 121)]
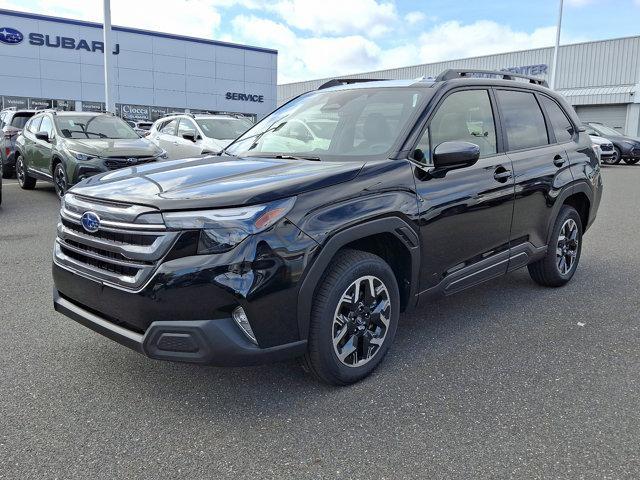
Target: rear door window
[(562, 126), (522, 119)]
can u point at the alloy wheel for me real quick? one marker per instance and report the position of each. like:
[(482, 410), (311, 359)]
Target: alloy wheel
[(567, 248), (60, 180), (361, 321), (20, 173)]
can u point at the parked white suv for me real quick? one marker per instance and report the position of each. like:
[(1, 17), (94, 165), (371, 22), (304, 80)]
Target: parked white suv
[(187, 135)]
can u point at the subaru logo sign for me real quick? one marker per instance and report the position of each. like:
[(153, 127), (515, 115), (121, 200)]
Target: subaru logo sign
[(132, 161), (90, 222), (10, 36)]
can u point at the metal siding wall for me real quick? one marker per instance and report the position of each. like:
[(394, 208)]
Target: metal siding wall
[(613, 115), (601, 63)]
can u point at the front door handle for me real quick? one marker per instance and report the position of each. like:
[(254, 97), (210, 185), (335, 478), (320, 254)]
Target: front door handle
[(559, 161), (502, 174)]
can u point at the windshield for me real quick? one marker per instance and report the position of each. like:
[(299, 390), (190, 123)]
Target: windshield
[(94, 127), (223, 128), (604, 130), (343, 123)]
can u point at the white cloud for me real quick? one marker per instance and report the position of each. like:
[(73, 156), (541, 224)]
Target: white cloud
[(338, 17), (451, 40), (414, 18), (303, 58), (197, 18)]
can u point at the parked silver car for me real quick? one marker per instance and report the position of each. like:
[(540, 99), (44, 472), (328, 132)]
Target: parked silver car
[(189, 135)]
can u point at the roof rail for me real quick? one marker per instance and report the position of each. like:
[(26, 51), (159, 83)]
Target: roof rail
[(453, 73), (169, 114), (336, 82)]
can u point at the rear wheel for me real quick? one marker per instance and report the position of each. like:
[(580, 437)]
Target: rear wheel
[(354, 318), (631, 161), (563, 252), (5, 171), (24, 180)]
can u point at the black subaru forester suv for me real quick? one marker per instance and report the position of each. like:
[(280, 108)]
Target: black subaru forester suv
[(344, 207)]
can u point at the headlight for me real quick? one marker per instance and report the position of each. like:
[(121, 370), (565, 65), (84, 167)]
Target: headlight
[(223, 229), (81, 156)]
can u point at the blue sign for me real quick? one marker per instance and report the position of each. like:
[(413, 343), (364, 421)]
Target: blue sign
[(10, 36), (90, 222)]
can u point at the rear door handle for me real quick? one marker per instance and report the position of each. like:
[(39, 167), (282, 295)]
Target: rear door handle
[(502, 174), (559, 160)]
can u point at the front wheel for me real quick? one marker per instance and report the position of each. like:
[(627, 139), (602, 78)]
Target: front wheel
[(24, 180), (353, 319), (60, 180), (631, 161), (563, 252)]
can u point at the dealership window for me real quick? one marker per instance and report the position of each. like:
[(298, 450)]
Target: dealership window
[(464, 116), (523, 120), (562, 126)]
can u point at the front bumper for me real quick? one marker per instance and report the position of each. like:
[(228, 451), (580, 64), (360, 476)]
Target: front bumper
[(213, 342)]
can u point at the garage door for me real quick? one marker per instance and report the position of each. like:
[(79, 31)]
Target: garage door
[(613, 115)]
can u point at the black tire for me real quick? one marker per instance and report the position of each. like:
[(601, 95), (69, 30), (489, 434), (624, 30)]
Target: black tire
[(550, 271), (345, 270), (5, 172), (60, 180), (24, 180), (631, 161), (616, 158)]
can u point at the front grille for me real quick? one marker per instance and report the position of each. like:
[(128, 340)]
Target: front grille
[(114, 163), (606, 147), (124, 251), (116, 237)]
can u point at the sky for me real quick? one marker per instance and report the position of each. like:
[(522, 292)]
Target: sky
[(323, 38)]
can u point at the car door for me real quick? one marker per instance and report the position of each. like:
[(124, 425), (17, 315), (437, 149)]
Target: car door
[(166, 136), (185, 148), (540, 168), (465, 213), (42, 149), (30, 151)]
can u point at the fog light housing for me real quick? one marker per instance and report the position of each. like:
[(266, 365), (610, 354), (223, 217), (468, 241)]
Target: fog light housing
[(240, 317)]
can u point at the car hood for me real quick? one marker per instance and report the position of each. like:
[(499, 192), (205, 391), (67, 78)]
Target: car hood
[(214, 181), (110, 147), (622, 138), (599, 140)]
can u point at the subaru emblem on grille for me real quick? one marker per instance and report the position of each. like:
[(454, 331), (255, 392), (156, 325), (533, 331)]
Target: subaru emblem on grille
[(90, 222), (132, 160)]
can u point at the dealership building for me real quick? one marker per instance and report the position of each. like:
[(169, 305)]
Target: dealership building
[(56, 62), (600, 79)]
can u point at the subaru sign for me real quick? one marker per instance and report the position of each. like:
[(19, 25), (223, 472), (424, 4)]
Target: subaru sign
[(10, 36), (90, 222)]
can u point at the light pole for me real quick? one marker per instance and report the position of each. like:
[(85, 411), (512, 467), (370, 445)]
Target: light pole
[(106, 37), (554, 66)]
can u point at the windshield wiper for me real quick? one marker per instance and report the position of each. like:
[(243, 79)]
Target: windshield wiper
[(291, 157)]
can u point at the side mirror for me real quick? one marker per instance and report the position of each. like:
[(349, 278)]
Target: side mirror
[(42, 136), (190, 136), (456, 154)]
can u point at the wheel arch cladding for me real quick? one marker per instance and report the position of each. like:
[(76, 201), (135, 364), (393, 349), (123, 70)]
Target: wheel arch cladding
[(581, 203), (56, 159), (385, 237)]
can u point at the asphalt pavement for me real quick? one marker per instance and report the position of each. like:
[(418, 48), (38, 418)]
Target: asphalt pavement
[(506, 380)]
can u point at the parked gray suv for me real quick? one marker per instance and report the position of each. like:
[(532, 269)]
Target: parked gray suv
[(12, 122)]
